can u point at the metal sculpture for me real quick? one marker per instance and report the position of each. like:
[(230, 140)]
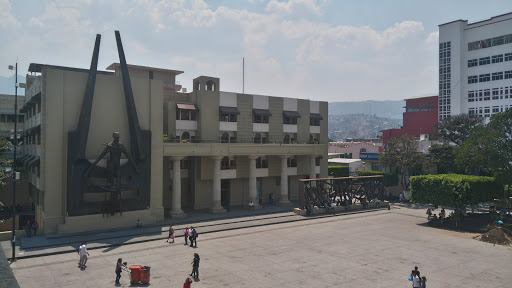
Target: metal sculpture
[(83, 181), (345, 190)]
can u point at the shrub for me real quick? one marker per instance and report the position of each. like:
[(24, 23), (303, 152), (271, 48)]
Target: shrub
[(338, 171), (390, 179), (454, 190)]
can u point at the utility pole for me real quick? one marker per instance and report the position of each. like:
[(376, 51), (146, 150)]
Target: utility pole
[(13, 236)]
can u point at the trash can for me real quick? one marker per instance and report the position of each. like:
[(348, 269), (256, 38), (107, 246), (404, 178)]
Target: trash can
[(135, 273), (144, 274)]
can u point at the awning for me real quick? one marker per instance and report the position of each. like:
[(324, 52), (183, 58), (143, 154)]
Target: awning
[(261, 112), (186, 106), (291, 114), (28, 159), (35, 160), (229, 110), (23, 158), (315, 116)]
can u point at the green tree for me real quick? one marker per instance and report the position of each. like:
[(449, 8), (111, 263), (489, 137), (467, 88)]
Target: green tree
[(5, 146), (443, 156), (457, 128), (401, 153)]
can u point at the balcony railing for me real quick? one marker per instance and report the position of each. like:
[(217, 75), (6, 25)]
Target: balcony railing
[(237, 141)]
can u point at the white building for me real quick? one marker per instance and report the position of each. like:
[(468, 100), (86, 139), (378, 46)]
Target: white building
[(475, 67)]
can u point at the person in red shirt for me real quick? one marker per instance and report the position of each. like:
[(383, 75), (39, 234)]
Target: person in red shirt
[(187, 283)]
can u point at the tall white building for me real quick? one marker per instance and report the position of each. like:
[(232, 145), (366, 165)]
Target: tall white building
[(475, 67)]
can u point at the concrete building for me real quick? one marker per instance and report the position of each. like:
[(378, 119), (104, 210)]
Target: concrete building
[(419, 120), (7, 116), (354, 148), (475, 67), (208, 147)]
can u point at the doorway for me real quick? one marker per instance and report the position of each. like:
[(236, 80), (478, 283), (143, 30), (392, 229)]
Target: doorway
[(225, 193)]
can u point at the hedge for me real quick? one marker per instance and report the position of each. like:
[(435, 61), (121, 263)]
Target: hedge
[(454, 190), (390, 179), (338, 171)]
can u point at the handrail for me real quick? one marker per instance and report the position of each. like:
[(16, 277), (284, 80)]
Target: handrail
[(237, 141)]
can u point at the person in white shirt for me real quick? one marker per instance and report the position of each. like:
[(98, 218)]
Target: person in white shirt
[(416, 282), (83, 255), (251, 205)]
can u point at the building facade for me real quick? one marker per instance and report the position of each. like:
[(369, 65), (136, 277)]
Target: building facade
[(419, 119), (208, 147), (475, 67)]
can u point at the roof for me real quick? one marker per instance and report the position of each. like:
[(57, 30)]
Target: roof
[(38, 68), (115, 66)]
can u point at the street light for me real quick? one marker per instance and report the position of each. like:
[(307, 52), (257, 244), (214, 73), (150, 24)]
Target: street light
[(14, 174)]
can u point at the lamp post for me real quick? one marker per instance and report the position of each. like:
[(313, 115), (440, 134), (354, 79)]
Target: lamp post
[(13, 236)]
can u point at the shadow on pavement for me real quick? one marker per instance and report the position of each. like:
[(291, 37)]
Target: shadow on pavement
[(7, 278)]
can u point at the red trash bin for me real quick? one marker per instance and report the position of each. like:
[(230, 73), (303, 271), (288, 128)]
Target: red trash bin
[(144, 274), (135, 273)]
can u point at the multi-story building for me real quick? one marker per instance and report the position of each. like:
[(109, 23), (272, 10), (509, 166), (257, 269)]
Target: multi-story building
[(475, 67), (208, 147), (7, 117), (419, 119)]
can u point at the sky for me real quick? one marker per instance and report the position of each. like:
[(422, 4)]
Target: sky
[(324, 50)]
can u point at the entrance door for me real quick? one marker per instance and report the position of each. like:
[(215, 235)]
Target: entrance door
[(225, 195)]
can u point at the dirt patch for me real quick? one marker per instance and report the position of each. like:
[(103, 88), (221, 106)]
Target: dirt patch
[(498, 235)]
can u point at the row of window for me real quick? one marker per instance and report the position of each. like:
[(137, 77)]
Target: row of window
[(258, 138), (490, 77), (226, 163), (444, 79), (10, 118), (490, 42), (422, 108), (183, 114), (488, 111), (488, 60), (490, 94)]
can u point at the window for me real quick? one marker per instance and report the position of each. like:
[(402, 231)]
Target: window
[(291, 162), (497, 76), (224, 137), (472, 79), (413, 109), (471, 96), (495, 109), (261, 162), (508, 56), (260, 119), (472, 111), (484, 77), (185, 163), (224, 163), (257, 138), (497, 58), (485, 61), (185, 114), (508, 74), (226, 117), (487, 94), (314, 122), (317, 161), (427, 108), (491, 42), (290, 120), (286, 139), (495, 94), (185, 136), (472, 63), (487, 112)]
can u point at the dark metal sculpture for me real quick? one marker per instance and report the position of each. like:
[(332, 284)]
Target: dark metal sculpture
[(83, 181), (347, 190)]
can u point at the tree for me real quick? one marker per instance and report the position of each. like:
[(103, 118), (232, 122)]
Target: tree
[(457, 128), (443, 156), (401, 153), (5, 146)]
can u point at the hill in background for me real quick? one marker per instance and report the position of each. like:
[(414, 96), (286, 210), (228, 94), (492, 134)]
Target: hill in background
[(359, 126), (388, 109)]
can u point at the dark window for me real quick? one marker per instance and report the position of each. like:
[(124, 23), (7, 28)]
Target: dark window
[(286, 139), (484, 77), (497, 58), (497, 76), (508, 74), (260, 119), (291, 162), (472, 62), (472, 79), (257, 138), (508, 56), (485, 61)]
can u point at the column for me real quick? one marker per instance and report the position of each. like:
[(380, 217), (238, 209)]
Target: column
[(312, 169), (216, 197), (252, 181), (284, 181), (176, 211)]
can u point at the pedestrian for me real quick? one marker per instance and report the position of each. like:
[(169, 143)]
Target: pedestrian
[(416, 281), (171, 234), (185, 232), (423, 282), (138, 224), (417, 271), (35, 227), (192, 236), (119, 266), (28, 228), (187, 283), (228, 206), (195, 266), (83, 255), (195, 236)]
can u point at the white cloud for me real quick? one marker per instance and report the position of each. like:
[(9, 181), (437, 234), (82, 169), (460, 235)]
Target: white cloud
[(7, 20), (291, 6)]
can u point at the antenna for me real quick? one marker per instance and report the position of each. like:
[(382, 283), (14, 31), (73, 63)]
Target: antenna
[(243, 75)]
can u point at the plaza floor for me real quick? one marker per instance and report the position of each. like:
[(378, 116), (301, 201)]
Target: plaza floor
[(374, 249)]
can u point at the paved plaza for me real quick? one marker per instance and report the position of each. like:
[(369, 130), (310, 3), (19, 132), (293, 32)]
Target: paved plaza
[(373, 249)]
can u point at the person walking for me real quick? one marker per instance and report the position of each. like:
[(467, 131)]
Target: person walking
[(195, 266), (187, 283), (171, 234), (83, 255), (185, 232), (35, 227), (194, 237), (191, 236), (416, 281), (119, 266)]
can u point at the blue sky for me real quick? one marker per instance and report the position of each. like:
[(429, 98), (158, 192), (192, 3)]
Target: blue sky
[(313, 49)]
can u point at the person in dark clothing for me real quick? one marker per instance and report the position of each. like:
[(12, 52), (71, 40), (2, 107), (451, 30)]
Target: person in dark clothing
[(195, 266), (192, 237), (119, 266)]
